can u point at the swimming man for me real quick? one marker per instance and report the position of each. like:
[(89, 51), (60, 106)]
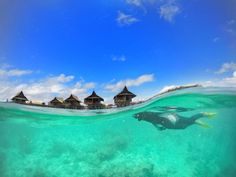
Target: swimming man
[(172, 121)]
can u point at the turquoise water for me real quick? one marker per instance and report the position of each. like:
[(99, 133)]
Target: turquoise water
[(47, 142)]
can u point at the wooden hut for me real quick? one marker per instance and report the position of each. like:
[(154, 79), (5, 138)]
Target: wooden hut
[(94, 101), (72, 102), (57, 102), (20, 98), (124, 98)]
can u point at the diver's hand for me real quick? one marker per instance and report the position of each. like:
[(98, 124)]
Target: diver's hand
[(162, 128)]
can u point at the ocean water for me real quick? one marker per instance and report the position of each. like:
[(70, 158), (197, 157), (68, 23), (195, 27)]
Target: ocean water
[(47, 142)]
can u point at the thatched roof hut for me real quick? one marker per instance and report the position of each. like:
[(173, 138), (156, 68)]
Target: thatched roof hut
[(57, 102), (93, 97), (124, 98), (94, 101), (72, 102), (20, 98)]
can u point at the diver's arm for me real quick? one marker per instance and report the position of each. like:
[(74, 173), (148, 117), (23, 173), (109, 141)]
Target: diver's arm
[(161, 128)]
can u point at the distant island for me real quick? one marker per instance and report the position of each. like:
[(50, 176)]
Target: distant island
[(175, 88)]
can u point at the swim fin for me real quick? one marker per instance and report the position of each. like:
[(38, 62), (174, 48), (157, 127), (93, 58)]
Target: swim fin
[(202, 124), (209, 115)]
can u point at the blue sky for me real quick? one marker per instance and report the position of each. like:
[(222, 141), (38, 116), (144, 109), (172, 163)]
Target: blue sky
[(52, 47)]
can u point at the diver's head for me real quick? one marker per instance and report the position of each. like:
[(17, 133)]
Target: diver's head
[(146, 116), (139, 116)]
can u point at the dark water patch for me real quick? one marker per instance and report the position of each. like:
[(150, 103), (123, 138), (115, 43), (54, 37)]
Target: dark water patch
[(109, 149), (142, 170), (171, 109), (40, 172), (229, 171), (58, 148), (5, 136), (219, 101), (24, 145), (226, 101), (5, 142), (16, 136), (3, 164)]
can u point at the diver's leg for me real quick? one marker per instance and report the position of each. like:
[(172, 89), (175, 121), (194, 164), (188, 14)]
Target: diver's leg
[(194, 119), (202, 124), (184, 122), (209, 114), (203, 114)]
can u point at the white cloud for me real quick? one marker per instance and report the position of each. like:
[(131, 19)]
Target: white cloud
[(230, 30), (169, 11), (62, 78), (125, 20), (231, 26), (46, 89), (225, 82), (226, 67), (89, 85), (231, 22), (13, 72), (130, 82), (134, 2), (231, 81), (4, 65), (119, 58), (216, 39)]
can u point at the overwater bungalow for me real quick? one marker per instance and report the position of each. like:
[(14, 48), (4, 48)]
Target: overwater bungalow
[(94, 101), (124, 98), (20, 98), (57, 102), (72, 102)]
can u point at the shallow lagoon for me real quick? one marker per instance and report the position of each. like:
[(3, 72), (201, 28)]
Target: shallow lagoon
[(46, 142)]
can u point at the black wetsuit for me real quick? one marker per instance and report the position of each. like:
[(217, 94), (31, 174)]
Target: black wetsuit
[(164, 122)]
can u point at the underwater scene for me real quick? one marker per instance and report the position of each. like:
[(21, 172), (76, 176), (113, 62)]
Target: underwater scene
[(123, 142)]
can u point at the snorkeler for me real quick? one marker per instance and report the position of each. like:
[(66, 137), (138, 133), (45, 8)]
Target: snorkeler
[(172, 121)]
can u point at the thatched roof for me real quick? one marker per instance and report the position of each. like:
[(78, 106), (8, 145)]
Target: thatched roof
[(20, 96), (57, 99), (94, 96), (72, 98), (125, 92)]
